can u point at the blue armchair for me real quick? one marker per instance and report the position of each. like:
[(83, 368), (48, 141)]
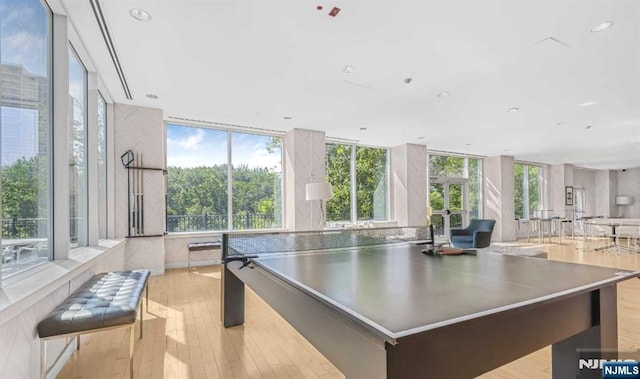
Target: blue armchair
[(476, 235)]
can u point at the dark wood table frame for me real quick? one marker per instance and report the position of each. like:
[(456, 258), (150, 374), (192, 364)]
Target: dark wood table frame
[(586, 319)]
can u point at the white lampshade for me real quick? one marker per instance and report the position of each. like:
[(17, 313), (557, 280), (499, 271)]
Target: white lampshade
[(319, 191), (624, 200)]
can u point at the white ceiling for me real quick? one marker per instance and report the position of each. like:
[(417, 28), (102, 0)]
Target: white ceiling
[(253, 62)]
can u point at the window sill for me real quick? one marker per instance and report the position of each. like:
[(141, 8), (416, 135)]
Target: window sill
[(25, 289)]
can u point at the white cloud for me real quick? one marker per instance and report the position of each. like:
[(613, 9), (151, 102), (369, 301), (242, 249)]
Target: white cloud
[(25, 49), (15, 14), (191, 142), (262, 158)]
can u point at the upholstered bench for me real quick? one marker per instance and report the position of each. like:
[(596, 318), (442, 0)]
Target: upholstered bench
[(202, 246), (107, 301)]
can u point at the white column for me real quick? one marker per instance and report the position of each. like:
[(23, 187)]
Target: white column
[(560, 177), (141, 130), (92, 157), (498, 194), (606, 190), (408, 182), (628, 184), (304, 162), (60, 138)]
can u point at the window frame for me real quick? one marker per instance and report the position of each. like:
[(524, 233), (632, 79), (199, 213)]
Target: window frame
[(526, 196), (49, 38), (103, 172), (353, 188), (456, 179), (85, 114), (229, 139)]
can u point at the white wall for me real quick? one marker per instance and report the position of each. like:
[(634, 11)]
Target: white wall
[(606, 189), (629, 185), (304, 162), (498, 185), (176, 250), (586, 179), (141, 130), (19, 342), (408, 184)]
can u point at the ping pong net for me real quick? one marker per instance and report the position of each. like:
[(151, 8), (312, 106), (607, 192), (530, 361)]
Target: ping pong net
[(236, 244)]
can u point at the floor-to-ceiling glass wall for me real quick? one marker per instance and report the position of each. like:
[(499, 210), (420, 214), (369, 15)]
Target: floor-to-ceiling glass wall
[(454, 191), (25, 134)]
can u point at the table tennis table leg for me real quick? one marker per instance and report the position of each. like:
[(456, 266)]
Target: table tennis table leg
[(232, 293), (597, 342)]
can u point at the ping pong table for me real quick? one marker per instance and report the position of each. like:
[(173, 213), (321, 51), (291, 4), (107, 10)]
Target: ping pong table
[(376, 306)]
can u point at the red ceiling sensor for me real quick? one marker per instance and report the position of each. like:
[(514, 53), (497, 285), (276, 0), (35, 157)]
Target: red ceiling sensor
[(334, 12)]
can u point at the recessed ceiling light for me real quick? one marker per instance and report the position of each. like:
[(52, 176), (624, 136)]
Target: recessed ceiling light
[(140, 14), (561, 123), (420, 137), (152, 96), (505, 150), (513, 110), (601, 27), (468, 144), (588, 104), (588, 127), (348, 69), (287, 117), (408, 80), (443, 94), (363, 128)]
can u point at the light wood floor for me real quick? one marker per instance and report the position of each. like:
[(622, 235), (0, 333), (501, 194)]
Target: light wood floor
[(184, 338)]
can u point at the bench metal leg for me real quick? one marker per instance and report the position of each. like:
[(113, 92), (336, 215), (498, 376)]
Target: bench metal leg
[(189, 260), (78, 342), (141, 320), (146, 287), (132, 342), (43, 359)]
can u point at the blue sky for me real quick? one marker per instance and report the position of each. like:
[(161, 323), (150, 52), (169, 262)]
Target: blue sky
[(23, 31), (193, 147)]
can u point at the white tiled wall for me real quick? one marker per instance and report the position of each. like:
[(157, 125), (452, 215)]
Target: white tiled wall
[(498, 194), (408, 173), (304, 162), (20, 345), (141, 130), (629, 185)]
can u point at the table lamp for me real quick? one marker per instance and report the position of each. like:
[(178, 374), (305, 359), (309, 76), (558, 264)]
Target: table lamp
[(320, 191), (622, 201)]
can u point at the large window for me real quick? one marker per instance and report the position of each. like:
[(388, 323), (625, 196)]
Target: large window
[(256, 192), (219, 180), (454, 190), (360, 173), (102, 167), (527, 190), (77, 151), (25, 134)]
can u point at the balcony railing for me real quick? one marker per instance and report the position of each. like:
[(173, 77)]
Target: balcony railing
[(24, 228), (219, 221)]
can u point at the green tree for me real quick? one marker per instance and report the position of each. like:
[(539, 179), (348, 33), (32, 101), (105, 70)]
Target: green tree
[(22, 182), (20, 189), (518, 189), (371, 183), (339, 175)]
